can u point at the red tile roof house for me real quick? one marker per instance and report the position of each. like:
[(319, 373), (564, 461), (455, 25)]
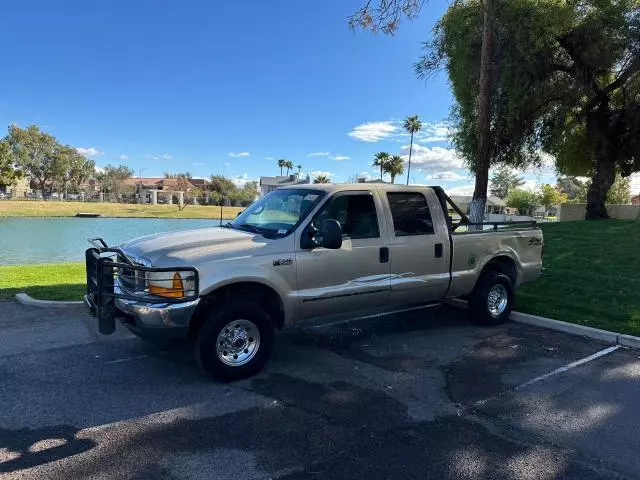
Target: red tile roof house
[(155, 189)]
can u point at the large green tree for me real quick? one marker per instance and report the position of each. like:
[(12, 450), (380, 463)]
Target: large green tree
[(112, 177), (37, 153), (620, 191), (9, 171), (503, 181), (567, 81), (524, 200), (75, 169)]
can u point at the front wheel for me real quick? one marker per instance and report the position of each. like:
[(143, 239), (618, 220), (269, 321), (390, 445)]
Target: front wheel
[(234, 342), (492, 299)]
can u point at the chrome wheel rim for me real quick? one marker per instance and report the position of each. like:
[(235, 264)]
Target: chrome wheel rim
[(238, 342), (497, 300)]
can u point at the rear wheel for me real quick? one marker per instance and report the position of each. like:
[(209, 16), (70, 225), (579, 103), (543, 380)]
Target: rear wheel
[(492, 299), (235, 341)]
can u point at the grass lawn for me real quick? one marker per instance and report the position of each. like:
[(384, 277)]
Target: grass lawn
[(35, 208), (55, 281), (592, 275)]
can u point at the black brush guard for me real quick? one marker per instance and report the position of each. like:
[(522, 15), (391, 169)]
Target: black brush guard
[(112, 275)]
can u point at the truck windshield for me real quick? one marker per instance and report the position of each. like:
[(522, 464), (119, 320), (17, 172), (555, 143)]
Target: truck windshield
[(278, 212)]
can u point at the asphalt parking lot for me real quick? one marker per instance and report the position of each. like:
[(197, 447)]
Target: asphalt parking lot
[(422, 394)]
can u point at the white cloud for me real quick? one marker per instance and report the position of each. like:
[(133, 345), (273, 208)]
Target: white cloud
[(239, 154), (340, 157), (198, 164), (460, 190), (99, 169), (268, 158), (373, 131), (123, 157), (242, 180), (319, 154), (317, 173), (447, 176), (89, 151), (156, 156), (433, 158), (434, 132)]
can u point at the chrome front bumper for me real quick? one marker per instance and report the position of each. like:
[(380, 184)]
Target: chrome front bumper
[(159, 319)]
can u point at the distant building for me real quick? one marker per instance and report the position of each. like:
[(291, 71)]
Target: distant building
[(635, 200), (163, 190), (267, 184), (18, 189), (494, 204)]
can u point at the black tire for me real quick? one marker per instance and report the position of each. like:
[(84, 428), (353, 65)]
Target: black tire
[(481, 313), (222, 316)]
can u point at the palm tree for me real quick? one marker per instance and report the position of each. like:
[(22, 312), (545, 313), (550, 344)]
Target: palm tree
[(411, 125), (381, 159), (394, 167), (321, 179), (288, 165), (282, 163), (299, 167)]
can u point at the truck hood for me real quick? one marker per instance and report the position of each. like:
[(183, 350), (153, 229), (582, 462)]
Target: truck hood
[(189, 247)]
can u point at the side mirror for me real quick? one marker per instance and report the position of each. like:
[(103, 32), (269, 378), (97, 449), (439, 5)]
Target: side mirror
[(331, 234)]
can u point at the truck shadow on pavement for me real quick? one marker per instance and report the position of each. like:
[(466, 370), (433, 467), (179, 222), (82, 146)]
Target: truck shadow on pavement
[(26, 448)]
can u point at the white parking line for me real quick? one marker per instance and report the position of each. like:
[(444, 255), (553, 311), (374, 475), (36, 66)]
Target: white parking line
[(569, 366), (375, 315), (122, 360), (557, 371)]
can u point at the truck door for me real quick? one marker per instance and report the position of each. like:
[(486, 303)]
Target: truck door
[(354, 277), (419, 247)]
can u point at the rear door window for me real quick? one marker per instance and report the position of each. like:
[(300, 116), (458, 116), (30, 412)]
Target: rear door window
[(410, 214)]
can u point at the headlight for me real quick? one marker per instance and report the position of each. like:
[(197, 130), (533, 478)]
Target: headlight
[(167, 284)]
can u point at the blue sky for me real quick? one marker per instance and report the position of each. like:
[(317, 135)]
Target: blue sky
[(208, 87)]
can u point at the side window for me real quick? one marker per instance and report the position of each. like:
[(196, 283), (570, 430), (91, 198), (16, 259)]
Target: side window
[(355, 213), (410, 213)]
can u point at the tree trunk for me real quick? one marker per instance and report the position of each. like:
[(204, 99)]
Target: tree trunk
[(381, 171), (410, 151), (603, 178), (393, 178), (479, 200)]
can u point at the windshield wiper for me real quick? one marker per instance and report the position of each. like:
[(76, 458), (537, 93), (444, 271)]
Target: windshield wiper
[(255, 229)]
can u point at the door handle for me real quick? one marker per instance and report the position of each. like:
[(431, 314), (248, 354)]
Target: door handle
[(438, 250), (384, 254)]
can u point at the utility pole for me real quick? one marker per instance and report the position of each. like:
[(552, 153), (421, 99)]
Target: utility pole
[(479, 199)]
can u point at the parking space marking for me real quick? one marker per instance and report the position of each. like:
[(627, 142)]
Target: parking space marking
[(375, 315), (122, 360), (557, 371), (569, 366)]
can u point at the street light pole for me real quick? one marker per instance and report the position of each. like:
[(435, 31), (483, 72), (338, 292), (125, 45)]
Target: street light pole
[(140, 185)]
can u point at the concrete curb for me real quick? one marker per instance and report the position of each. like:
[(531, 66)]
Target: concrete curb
[(25, 299), (628, 341)]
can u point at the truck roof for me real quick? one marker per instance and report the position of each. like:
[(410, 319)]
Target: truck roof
[(339, 187)]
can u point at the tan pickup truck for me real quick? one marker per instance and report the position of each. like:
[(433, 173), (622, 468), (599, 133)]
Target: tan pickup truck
[(329, 251)]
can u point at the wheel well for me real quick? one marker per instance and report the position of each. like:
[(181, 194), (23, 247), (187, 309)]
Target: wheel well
[(502, 264), (266, 296)]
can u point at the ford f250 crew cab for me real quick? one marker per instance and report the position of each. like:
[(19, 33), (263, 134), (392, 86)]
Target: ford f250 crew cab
[(306, 252)]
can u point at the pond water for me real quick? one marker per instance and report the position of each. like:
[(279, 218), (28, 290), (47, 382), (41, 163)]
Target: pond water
[(50, 240)]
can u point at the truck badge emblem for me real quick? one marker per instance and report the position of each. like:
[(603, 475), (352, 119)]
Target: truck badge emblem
[(282, 261)]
